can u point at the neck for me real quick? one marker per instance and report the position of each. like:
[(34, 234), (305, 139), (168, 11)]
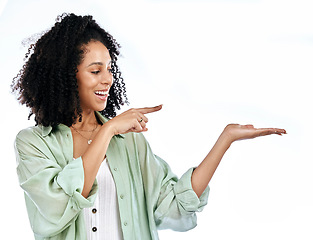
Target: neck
[(88, 121)]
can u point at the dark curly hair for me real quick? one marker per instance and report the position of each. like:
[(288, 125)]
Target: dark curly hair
[(47, 82)]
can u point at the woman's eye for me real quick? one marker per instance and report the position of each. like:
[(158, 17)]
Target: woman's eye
[(110, 70), (95, 72)]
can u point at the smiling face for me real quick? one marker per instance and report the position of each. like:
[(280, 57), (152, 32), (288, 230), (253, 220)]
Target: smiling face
[(94, 77)]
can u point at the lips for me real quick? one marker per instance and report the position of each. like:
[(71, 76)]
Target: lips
[(102, 94)]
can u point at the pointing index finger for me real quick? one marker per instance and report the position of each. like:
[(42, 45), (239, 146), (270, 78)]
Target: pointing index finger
[(150, 109)]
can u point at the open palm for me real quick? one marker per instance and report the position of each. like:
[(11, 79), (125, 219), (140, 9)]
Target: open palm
[(239, 132)]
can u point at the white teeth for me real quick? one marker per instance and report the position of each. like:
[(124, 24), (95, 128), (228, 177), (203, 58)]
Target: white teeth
[(101, 92)]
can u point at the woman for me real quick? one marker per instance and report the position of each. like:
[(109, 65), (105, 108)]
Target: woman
[(87, 173)]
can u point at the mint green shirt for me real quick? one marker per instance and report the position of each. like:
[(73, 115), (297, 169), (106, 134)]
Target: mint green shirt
[(150, 196)]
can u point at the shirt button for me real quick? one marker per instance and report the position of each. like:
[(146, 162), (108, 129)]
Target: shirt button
[(94, 210), (122, 196), (94, 229), (125, 223), (115, 169)]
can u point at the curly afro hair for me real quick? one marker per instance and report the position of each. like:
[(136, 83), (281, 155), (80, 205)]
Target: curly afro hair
[(47, 82)]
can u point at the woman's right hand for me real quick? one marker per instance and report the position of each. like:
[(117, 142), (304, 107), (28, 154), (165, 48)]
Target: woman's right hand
[(132, 120)]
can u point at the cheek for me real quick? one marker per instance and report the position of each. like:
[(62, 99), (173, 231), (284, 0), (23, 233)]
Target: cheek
[(79, 79), (84, 81), (82, 85)]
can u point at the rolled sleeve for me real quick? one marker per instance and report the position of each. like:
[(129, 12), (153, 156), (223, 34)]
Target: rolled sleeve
[(178, 203), (71, 180), (187, 197), (52, 191), (173, 200)]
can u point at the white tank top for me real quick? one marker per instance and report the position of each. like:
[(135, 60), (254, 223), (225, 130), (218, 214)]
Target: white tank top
[(103, 219)]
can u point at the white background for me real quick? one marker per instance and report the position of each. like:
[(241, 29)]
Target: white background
[(210, 63)]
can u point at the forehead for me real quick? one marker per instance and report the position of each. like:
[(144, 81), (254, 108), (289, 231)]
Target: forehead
[(95, 51)]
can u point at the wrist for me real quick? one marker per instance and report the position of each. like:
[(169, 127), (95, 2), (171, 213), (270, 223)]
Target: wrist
[(226, 138), (109, 129)]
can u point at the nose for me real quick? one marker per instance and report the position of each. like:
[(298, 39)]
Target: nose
[(107, 78)]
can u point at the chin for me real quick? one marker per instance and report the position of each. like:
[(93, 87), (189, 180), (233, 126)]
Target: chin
[(99, 109)]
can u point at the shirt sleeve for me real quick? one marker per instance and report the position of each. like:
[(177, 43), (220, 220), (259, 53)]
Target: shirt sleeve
[(173, 201), (52, 193)]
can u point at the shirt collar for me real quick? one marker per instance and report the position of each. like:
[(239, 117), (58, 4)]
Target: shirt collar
[(47, 130)]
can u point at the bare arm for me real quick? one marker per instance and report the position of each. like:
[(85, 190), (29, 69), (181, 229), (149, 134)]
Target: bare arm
[(94, 156), (233, 132), (133, 120)]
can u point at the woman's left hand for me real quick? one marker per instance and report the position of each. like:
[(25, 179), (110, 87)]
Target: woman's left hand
[(234, 132), (203, 173)]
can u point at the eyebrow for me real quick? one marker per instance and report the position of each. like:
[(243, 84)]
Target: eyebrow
[(98, 63), (95, 63)]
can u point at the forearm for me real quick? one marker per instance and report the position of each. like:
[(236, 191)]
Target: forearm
[(94, 156), (233, 132), (204, 172), (133, 120)]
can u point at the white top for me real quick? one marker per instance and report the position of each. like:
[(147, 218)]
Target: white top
[(103, 219)]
